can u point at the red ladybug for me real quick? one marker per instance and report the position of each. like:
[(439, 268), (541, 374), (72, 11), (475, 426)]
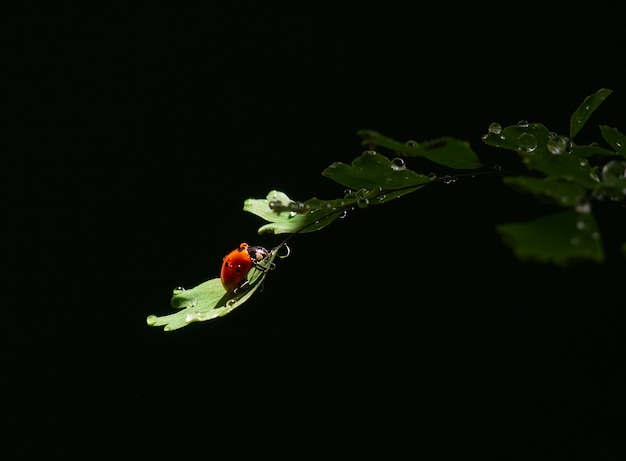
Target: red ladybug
[(237, 264)]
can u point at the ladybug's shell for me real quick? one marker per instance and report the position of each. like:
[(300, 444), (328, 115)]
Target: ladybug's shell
[(235, 267)]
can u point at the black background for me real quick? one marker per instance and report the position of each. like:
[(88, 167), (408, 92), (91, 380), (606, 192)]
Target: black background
[(405, 331)]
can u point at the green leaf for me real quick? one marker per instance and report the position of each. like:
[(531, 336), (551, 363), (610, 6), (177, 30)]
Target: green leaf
[(584, 111), (556, 191), (210, 300), (568, 167), (544, 151), (445, 151), (525, 138), (615, 139), (286, 216), (592, 150), (373, 171), (560, 238)]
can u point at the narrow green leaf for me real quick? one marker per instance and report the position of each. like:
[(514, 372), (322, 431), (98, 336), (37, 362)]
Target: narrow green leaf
[(615, 139), (286, 216), (445, 151), (584, 111), (210, 300), (560, 238)]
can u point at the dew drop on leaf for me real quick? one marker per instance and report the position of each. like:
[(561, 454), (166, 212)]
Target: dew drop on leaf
[(397, 164), (556, 144), (287, 250), (615, 169), (583, 207), (527, 142), (495, 128)]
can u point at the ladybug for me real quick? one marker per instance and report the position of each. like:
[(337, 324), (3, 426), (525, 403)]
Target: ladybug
[(237, 264)]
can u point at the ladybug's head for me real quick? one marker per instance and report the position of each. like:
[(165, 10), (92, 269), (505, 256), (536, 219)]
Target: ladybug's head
[(257, 254)]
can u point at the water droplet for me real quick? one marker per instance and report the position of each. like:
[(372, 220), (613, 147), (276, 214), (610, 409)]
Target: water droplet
[(287, 251), (363, 202), (556, 144), (343, 214), (362, 194), (191, 317), (495, 128), (615, 169), (231, 302), (523, 123), (527, 142), (583, 207), (371, 152), (397, 164), (432, 176), (412, 143), (580, 225), (497, 167)]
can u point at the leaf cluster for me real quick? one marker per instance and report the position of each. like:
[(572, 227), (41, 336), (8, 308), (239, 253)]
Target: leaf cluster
[(572, 177), (558, 171)]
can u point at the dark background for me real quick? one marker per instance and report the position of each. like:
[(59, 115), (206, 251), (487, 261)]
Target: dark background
[(406, 331)]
